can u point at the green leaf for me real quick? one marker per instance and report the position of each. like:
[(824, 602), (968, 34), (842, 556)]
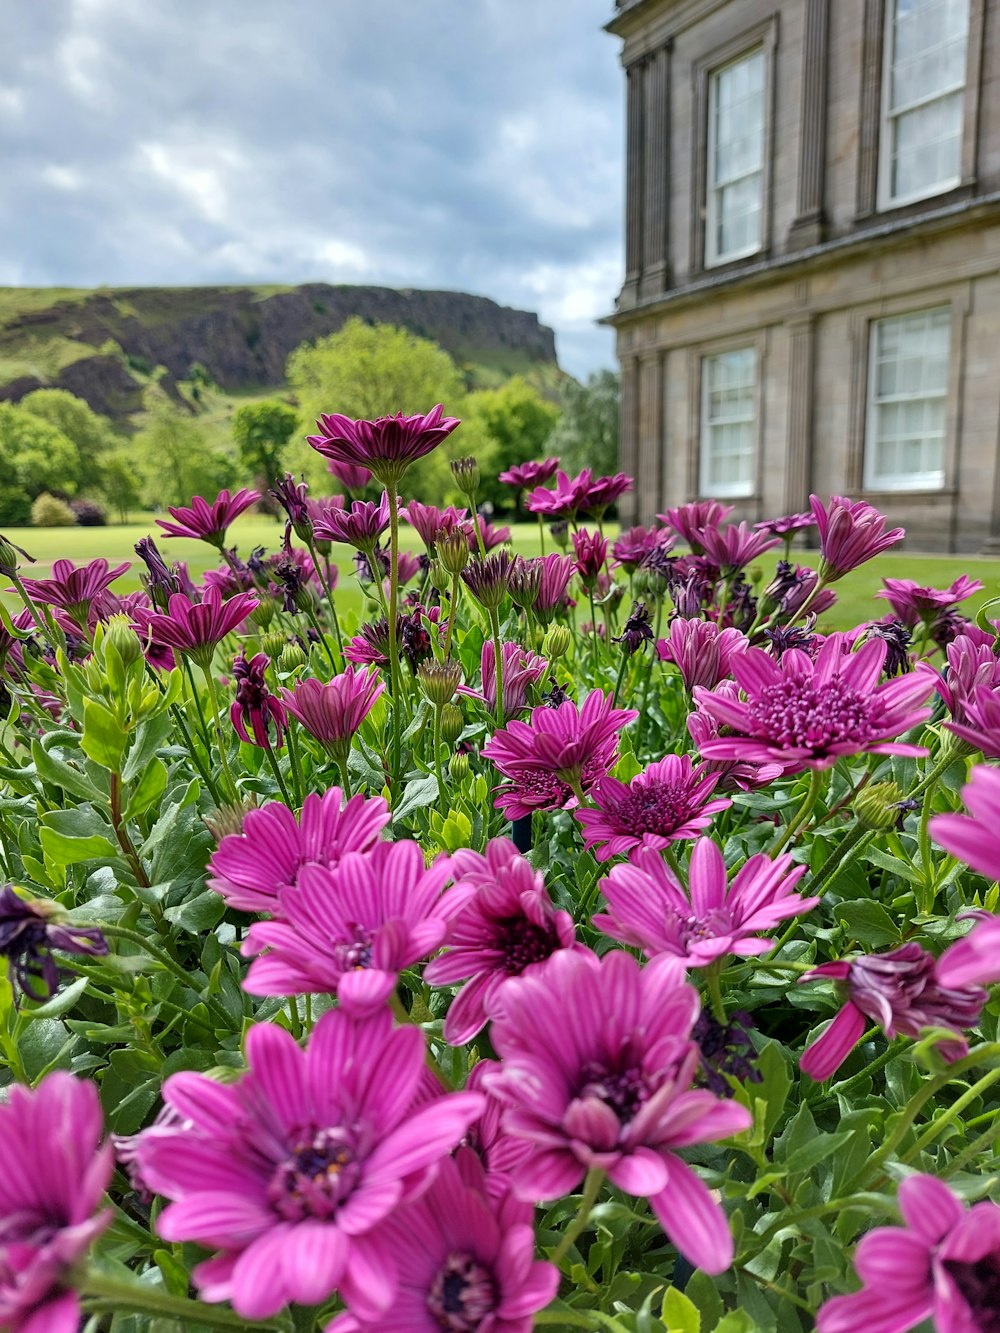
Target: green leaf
[(738, 1321), (149, 736), (680, 1314), (75, 835), (456, 831), (417, 795), (148, 790), (868, 922), (61, 1003), (822, 1146), (104, 737), (199, 914), (61, 774)]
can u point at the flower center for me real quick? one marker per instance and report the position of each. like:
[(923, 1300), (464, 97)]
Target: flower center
[(979, 1284), (524, 943), (317, 1176), (801, 714), (462, 1294), (624, 1089), (691, 929), (657, 807), (542, 790), (354, 955)]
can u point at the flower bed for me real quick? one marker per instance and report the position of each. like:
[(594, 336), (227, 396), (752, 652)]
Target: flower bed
[(584, 941)]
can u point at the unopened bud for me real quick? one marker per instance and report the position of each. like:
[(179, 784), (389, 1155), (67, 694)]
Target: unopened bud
[(439, 680), (458, 767), (453, 550), (452, 723), (8, 556), (556, 642), (273, 644), (291, 657), (877, 807), (439, 576), (263, 612), (120, 633), (466, 474)]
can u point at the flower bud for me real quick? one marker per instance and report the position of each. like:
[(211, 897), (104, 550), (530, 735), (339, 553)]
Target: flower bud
[(120, 633), (453, 550), (487, 577), (560, 533), (877, 807), (556, 642), (525, 582), (466, 474), (8, 556), (438, 576), (452, 723), (291, 657), (273, 644), (458, 767), (439, 680), (263, 612)]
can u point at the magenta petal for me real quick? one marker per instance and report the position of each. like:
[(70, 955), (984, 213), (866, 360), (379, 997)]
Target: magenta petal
[(929, 1208), (872, 1312), (546, 1175), (827, 1053), (693, 1220), (314, 1256), (642, 1172)]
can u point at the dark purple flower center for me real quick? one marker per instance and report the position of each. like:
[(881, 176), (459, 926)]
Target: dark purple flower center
[(802, 714), (319, 1173), (624, 1089), (544, 791), (655, 807), (524, 943), (355, 955), (462, 1294), (979, 1284), (691, 929)]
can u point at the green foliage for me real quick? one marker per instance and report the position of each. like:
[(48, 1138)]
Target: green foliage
[(174, 460), (121, 483), (587, 433), (91, 435), (34, 457), (48, 511), (262, 431), (373, 370), (516, 422)]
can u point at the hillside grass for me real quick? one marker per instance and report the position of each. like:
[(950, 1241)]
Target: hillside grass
[(856, 592)]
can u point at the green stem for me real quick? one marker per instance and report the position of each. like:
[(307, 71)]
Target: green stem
[(202, 725), (115, 1295), (621, 677), (214, 696), (169, 964), (857, 840), (397, 702), (970, 1153), (345, 776), (593, 633), (442, 794), (452, 607), (273, 762), (541, 534), (311, 617), (952, 1113), (799, 820), (591, 1189), (297, 779), (327, 592), (178, 717), (715, 991)]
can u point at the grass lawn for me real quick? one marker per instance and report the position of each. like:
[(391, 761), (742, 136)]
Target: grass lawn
[(115, 543)]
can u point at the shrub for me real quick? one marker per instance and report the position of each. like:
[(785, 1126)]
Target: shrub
[(49, 511), (89, 514)]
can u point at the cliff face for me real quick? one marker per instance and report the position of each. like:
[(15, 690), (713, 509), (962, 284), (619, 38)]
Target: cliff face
[(243, 335)]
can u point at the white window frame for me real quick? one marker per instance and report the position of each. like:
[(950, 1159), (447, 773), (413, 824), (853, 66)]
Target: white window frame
[(740, 490), (712, 255), (887, 137), (916, 481)]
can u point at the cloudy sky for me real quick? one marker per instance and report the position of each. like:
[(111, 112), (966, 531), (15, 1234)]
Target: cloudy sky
[(474, 145)]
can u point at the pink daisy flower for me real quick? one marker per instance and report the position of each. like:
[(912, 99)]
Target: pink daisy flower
[(565, 499), (690, 520), (360, 526), (902, 993), (351, 476), (503, 924), (971, 675), (195, 629), (980, 726), (386, 446), (913, 603), (333, 712), (351, 928), (521, 670), (524, 475), (635, 545), (812, 713), (558, 750), (668, 802), (741, 774), (556, 572), (652, 911), (492, 536), (208, 522), (55, 1172), (72, 588), (591, 551), (942, 1265), (254, 703), (288, 1171), (851, 532), (250, 868), (974, 838), (603, 492), (734, 546), (465, 1261), (592, 1081), (787, 524), (702, 653), (430, 522)]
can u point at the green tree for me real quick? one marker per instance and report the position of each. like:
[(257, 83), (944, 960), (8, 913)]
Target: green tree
[(518, 422), (262, 432), (175, 461), (122, 482), (90, 434), (587, 433), (372, 370), (34, 457)]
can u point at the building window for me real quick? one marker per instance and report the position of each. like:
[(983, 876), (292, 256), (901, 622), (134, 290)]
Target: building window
[(728, 423), (924, 98), (907, 401), (735, 176)]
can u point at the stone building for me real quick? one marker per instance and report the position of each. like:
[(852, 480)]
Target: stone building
[(812, 290)]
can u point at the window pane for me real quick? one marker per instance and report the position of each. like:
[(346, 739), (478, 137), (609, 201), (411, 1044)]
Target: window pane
[(729, 422), (735, 158), (908, 400)]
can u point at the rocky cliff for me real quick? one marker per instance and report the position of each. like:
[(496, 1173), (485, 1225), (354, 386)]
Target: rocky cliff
[(241, 335)]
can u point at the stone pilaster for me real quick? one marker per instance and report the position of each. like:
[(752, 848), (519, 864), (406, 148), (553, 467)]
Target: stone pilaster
[(870, 123), (628, 442), (800, 442), (635, 117), (655, 277), (650, 435), (807, 229)]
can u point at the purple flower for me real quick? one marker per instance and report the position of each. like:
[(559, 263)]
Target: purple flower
[(556, 572), (351, 476), (558, 750), (28, 934), (360, 526), (913, 603), (521, 670), (492, 536), (430, 522), (565, 499), (971, 676), (250, 868), (72, 588), (591, 551), (974, 960), (727, 1051), (597, 1062), (792, 587), (632, 547), (486, 577), (255, 703), (734, 546), (603, 492), (195, 630), (690, 520), (524, 475), (294, 500), (386, 446), (811, 713), (288, 1171), (897, 639), (901, 992), (850, 533), (55, 1172), (209, 522), (351, 928), (942, 1265), (333, 712), (702, 653), (787, 525), (741, 774), (159, 581), (652, 911), (503, 924), (668, 802), (636, 631), (465, 1261)]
